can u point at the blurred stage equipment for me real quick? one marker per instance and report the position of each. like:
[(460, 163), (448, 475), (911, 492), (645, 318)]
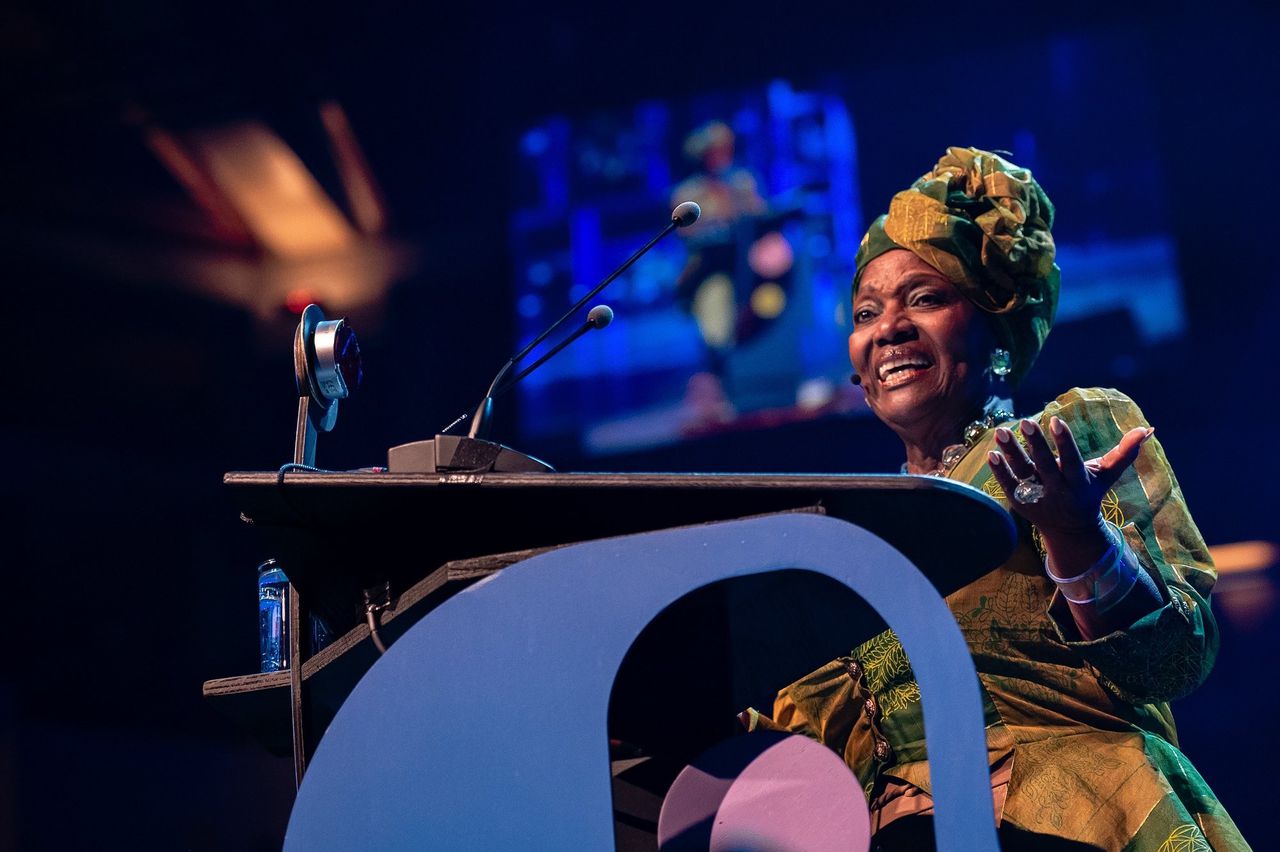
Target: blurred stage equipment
[(474, 454), (327, 368), (275, 196), (1244, 556), (269, 233), (1247, 591)]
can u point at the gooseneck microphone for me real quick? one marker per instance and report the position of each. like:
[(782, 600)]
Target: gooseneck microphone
[(685, 214), (598, 317), (471, 456)]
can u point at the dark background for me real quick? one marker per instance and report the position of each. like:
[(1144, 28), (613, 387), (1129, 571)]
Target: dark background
[(129, 578)]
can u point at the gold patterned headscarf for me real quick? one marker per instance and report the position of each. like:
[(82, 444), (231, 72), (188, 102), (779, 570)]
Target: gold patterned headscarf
[(984, 223)]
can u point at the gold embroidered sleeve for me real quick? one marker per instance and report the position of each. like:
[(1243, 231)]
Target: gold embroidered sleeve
[(1169, 652)]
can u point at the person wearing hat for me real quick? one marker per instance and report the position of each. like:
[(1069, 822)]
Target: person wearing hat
[(1098, 619)]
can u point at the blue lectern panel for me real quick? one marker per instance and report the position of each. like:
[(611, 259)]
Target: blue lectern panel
[(484, 727)]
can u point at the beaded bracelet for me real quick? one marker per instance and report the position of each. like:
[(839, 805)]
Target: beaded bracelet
[(1106, 581)]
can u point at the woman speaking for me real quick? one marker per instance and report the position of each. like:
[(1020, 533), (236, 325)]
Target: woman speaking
[(1101, 615)]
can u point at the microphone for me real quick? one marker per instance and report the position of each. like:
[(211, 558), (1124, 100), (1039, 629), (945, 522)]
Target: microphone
[(467, 458), (685, 214), (598, 317)]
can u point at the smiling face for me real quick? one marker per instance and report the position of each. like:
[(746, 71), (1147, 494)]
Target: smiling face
[(920, 346)]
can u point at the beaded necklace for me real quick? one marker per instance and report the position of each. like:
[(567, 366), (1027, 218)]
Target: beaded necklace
[(953, 453)]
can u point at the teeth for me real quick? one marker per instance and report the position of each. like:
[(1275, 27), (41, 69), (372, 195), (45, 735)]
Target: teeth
[(900, 364), (900, 377)]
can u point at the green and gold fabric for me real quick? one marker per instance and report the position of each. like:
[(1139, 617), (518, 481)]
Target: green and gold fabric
[(1081, 730), (985, 224)]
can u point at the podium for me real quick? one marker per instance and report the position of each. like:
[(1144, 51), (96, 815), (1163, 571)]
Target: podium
[(428, 537)]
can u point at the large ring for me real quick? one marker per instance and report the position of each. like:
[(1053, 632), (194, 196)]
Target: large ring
[(1029, 490)]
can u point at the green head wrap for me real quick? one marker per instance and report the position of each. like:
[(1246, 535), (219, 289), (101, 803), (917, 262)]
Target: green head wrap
[(984, 223)]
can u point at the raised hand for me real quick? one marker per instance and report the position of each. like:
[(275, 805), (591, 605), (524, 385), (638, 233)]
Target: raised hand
[(1071, 489)]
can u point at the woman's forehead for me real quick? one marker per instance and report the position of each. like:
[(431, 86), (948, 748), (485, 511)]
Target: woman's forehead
[(895, 270)]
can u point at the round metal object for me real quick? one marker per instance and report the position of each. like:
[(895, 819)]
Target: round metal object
[(337, 365), (326, 364)]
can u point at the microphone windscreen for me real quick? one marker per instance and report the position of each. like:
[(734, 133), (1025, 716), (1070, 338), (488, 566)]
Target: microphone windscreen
[(600, 316), (686, 213)]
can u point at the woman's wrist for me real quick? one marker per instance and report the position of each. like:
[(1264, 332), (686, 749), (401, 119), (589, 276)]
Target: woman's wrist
[(1071, 551), (1105, 581)]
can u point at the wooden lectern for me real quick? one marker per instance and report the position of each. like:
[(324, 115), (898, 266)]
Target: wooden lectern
[(647, 574)]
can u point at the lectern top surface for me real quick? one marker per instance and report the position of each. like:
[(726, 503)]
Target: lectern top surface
[(355, 523)]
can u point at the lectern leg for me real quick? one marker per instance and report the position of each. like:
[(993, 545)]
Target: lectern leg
[(297, 709)]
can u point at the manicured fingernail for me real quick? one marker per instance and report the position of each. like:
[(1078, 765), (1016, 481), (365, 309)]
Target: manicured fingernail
[(1151, 430), (1056, 425), (1028, 428), (1003, 435), (994, 459)]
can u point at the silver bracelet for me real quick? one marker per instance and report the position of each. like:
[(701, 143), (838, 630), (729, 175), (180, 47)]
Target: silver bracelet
[(1106, 581)]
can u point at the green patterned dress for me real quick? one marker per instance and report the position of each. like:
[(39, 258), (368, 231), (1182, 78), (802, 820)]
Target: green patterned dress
[(1081, 730)]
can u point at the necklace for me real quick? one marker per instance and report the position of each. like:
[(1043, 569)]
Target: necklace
[(952, 454)]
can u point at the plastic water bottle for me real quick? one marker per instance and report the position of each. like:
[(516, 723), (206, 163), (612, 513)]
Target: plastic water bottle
[(273, 617)]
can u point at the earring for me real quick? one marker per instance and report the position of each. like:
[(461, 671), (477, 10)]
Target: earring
[(999, 405), (855, 379), (1001, 364)]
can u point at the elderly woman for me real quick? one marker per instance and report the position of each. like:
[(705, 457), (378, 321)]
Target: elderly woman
[(1101, 615)]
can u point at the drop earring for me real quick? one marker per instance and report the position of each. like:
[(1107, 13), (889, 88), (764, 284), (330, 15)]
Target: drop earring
[(1001, 364), (999, 405)]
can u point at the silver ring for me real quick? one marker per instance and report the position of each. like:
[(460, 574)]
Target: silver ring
[(1029, 490)]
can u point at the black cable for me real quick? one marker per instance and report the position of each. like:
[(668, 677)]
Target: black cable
[(292, 467), (371, 616), (285, 496), (376, 599), (371, 609)]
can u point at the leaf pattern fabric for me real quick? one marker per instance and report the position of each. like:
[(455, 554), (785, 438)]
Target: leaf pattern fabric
[(1086, 723)]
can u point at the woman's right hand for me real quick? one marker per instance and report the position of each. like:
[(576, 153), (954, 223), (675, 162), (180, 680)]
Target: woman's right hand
[(1072, 487)]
